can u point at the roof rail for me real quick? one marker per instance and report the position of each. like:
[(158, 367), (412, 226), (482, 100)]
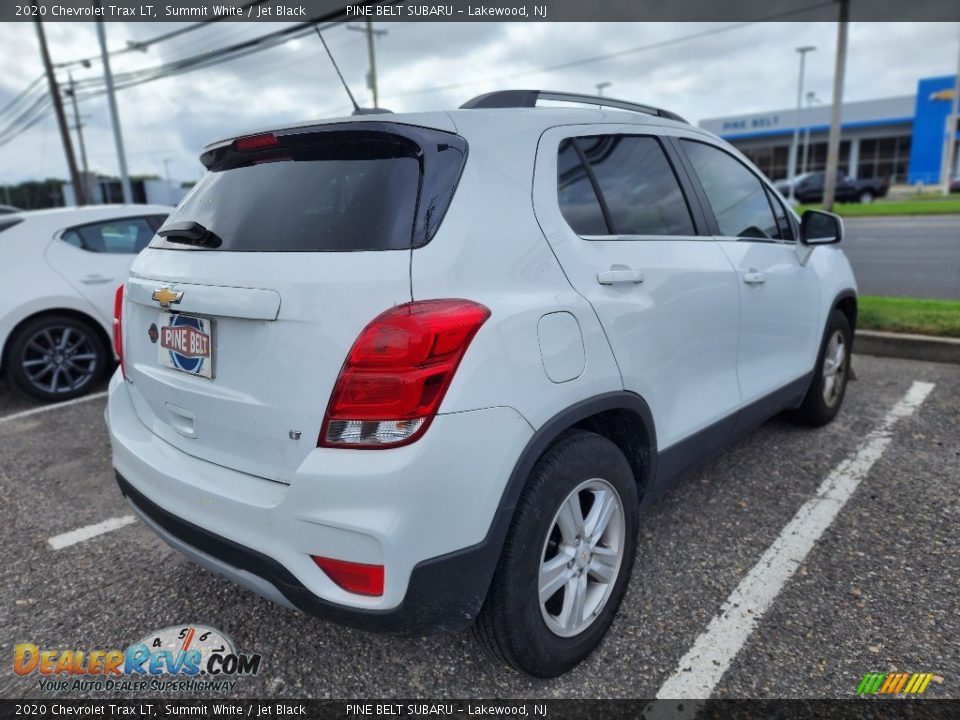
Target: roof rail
[(529, 98)]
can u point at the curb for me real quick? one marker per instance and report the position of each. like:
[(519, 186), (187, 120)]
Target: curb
[(909, 347)]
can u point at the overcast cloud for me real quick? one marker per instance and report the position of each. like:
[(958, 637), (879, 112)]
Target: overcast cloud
[(737, 70)]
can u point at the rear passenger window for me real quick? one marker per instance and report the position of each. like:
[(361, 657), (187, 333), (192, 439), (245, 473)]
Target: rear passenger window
[(124, 236), (634, 187), (578, 201), (737, 197)]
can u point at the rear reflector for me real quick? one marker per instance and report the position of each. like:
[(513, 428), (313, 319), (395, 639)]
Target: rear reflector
[(397, 372), (357, 578), (118, 327), (256, 142)]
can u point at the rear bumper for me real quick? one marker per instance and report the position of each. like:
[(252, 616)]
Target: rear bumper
[(444, 595), (429, 513)]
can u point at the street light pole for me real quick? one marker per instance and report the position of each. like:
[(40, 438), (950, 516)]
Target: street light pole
[(600, 86), (811, 98), (114, 113), (792, 162)]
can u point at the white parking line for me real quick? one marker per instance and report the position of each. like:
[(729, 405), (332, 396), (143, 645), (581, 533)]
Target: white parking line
[(699, 671), (46, 408), (58, 542)]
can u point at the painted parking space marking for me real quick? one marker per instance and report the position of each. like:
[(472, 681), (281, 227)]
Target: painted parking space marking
[(46, 408), (700, 670), (58, 542)]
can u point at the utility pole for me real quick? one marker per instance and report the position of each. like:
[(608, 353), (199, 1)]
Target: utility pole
[(951, 139), (600, 86), (72, 92), (795, 145), (833, 143), (114, 113), (78, 193), (372, 76)]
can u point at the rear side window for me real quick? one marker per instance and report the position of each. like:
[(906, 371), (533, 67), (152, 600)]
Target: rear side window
[(634, 187), (737, 197), (334, 190), (578, 199), (122, 236)]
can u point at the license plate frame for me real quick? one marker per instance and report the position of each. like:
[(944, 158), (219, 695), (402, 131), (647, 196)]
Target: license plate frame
[(186, 344)]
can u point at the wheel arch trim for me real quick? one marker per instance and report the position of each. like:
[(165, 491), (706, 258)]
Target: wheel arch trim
[(846, 294), (555, 427)]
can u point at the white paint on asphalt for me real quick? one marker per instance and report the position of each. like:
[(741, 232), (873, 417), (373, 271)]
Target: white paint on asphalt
[(55, 406), (699, 671), (58, 542)]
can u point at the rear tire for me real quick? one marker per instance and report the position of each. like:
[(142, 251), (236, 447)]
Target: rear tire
[(825, 396), (56, 357), (866, 197), (567, 559)]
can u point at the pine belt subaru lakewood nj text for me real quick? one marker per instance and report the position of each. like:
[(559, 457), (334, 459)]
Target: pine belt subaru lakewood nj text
[(419, 372)]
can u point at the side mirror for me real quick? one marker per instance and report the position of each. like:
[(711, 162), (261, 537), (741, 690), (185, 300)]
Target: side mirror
[(820, 228)]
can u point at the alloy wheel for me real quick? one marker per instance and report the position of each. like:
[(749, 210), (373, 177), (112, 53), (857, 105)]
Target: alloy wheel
[(834, 368), (59, 360), (581, 557)]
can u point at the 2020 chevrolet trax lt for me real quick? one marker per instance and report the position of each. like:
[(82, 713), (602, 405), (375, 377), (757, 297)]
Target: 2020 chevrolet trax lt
[(418, 372)]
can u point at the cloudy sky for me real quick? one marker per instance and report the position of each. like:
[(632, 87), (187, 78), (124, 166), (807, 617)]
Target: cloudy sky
[(711, 69)]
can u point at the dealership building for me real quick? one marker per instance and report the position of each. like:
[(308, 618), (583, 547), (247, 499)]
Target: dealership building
[(898, 138)]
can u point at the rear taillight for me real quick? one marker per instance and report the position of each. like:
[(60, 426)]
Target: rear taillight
[(397, 372), (118, 327), (357, 578)]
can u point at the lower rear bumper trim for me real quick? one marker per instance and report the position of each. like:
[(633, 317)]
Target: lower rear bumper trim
[(445, 593)]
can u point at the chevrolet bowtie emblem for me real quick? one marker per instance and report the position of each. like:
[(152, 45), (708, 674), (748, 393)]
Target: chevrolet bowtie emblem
[(167, 297)]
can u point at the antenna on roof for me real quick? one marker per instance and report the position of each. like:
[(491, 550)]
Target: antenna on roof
[(357, 110)]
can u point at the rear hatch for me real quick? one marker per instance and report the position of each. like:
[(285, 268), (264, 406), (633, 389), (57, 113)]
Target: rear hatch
[(239, 315)]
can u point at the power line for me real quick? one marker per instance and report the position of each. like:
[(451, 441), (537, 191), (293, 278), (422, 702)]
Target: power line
[(618, 53), (21, 96), (39, 111), (95, 88), (203, 60), (143, 45)]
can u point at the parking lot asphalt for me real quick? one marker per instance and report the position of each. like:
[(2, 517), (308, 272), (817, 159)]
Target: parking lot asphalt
[(878, 592), (915, 257)]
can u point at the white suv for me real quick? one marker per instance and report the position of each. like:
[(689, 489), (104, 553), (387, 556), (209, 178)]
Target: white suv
[(420, 372)]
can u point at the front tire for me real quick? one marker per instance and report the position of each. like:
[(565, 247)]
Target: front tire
[(567, 559), (56, 357), (825, 396), (866, 197)]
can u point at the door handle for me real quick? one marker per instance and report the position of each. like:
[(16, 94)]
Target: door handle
[(754, 277), (612, 277), (95, 280)]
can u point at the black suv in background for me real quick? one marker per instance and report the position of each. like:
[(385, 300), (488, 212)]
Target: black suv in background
[(809, 188)]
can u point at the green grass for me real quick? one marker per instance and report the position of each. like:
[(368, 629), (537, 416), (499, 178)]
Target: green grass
[(906, 315), (921, 205)]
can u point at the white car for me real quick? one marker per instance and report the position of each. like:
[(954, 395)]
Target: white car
[(59, 270), (420, 372)]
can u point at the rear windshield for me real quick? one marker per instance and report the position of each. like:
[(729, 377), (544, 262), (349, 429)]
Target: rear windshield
[(324, 191)]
